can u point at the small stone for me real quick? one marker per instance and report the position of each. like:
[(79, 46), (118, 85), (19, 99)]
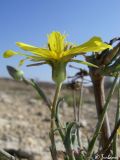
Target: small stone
[(46, 119), (5, 98), (33, 101), (39, 114)]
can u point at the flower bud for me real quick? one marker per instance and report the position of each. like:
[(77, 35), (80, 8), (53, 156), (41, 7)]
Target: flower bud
[(14, 73)]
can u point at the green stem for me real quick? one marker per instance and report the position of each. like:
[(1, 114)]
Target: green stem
[(108, 145), (74, 105), (79, 113), (100, 122), (52, 126), (57, 120)]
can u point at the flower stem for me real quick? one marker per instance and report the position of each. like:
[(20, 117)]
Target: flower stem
[(74, 106), (79, 113), (52, 126)]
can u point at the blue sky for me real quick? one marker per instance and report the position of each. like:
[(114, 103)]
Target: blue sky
[(30, 21)]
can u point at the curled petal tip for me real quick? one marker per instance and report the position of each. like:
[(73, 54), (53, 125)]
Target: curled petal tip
[(9, 53)]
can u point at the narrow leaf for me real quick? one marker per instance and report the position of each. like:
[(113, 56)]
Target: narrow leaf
[(68, 138), (100, 122), (116, 121), (84, 62)]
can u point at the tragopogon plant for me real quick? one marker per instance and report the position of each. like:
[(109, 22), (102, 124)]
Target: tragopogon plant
[(57, 55)]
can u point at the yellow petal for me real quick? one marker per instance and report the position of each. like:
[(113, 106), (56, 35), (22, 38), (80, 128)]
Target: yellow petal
[(9, 53), (26, 47), (56, 42), (95, 44), (35, 50)]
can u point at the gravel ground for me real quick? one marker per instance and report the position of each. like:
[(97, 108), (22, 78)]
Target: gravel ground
[(25, 119)]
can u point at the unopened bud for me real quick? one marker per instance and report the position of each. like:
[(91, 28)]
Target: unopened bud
[(15, 73)]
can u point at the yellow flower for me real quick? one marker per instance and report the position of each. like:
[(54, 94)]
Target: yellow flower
[(58, 53)]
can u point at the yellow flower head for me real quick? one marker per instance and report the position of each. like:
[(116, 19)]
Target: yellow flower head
[(58, 53)]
